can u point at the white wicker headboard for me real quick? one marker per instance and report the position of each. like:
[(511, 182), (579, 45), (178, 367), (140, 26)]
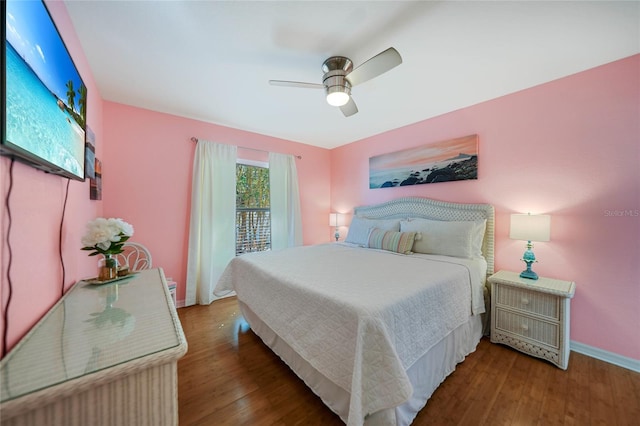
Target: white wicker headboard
[(438, 210)]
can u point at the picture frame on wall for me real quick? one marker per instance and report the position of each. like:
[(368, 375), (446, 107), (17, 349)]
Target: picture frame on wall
[(90, 155), (444, 161), (95, 183)]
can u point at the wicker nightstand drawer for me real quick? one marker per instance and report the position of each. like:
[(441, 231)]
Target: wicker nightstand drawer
[(543, 304), (539, 331)]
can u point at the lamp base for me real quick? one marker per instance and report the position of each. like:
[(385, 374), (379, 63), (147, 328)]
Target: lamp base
[(529, 274), (529, 258)]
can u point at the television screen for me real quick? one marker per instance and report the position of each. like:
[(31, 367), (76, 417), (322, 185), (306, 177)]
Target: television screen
[(44, 97)]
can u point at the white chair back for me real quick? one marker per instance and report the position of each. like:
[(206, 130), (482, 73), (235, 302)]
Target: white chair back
[(137, 256)]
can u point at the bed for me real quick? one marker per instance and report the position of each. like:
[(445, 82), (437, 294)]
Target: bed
[(373, 325)]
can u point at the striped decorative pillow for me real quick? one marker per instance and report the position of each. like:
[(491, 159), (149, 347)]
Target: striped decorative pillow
[(399, 242)]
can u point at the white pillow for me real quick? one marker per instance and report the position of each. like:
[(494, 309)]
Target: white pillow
[(459, 239), (360, 227)]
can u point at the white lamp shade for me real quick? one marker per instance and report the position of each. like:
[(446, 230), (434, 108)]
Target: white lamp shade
[(333, 219), (336, 219), (530, 227)]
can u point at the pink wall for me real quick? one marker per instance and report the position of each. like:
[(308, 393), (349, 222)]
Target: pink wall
[(569, 148), (147, 172), (36, 204)]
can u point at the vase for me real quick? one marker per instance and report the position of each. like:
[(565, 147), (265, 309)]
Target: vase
[(107, 268)]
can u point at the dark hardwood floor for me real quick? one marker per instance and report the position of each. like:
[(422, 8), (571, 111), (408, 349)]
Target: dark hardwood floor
[(229, 377)]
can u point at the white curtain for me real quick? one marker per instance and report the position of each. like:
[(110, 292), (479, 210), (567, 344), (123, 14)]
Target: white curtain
[(213, 216), (286, 222)]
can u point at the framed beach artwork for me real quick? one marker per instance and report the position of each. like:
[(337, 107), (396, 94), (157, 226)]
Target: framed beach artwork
[(444, 161)]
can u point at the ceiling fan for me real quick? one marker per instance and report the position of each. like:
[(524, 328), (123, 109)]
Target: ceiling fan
[(339, 77)]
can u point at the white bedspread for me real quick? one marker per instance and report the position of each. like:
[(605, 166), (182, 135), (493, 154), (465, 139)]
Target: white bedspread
[(361, 317)]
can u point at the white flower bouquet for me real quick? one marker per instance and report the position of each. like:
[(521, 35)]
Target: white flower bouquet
[(106, 236)]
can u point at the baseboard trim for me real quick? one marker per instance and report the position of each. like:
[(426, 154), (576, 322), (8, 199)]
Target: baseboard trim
[(606, 356), (183, 303)]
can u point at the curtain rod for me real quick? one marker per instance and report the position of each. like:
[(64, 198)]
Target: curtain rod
[(299, 157)]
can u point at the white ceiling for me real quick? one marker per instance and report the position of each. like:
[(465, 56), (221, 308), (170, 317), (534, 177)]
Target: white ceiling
[(211, 60)]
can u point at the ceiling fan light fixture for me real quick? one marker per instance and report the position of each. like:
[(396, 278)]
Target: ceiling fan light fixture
[(337, 87), (337, 98), (339, 76)]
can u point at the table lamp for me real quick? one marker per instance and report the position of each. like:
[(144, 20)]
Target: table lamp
[(529, 227), (336, 219)]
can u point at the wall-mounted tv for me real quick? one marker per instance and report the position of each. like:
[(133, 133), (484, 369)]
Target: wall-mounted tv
[(44, 98)]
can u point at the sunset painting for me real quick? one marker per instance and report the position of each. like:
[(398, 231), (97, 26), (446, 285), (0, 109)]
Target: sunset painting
[(444, 161)]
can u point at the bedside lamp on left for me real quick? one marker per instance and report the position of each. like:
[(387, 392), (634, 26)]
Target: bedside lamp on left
[(336, 220)]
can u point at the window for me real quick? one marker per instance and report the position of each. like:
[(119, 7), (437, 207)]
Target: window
[(253, 216)]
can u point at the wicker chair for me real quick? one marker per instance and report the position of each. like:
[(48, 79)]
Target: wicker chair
[(136, 256)]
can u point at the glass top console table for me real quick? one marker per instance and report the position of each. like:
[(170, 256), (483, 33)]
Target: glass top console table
[(104, 354)]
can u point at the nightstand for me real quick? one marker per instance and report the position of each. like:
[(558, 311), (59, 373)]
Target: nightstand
[(532, 315)]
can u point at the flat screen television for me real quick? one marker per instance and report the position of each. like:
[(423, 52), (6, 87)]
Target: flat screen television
[(44, 98)]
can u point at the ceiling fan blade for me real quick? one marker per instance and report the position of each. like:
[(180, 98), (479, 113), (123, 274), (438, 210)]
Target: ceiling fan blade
[(349, 108), (375, 66), (296, 84)]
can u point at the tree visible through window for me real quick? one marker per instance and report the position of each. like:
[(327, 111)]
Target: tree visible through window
[(253, 216)]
